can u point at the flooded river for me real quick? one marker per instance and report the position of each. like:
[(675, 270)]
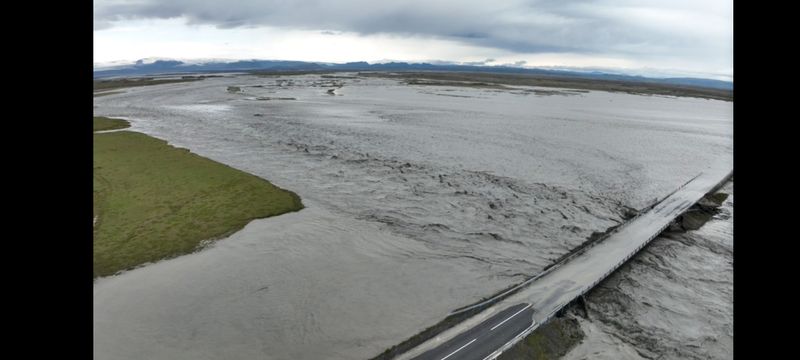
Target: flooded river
[(419, 200), (674, 300)]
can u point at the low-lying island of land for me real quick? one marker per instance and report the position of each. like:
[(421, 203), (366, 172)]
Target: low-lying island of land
[(503, 81), (103, 87), (153, 201)]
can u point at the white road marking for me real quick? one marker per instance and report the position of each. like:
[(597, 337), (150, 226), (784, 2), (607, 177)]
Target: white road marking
[(459, 349), (513, 341), (509, 318)]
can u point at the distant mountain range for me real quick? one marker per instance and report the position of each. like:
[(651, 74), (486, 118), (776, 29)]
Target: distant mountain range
[(180, 67)]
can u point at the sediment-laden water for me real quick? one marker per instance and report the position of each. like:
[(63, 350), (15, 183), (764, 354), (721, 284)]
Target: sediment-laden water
[(420, 199), (674, 300)]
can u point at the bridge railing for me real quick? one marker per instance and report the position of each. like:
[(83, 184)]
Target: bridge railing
[(605, 275), (498, 297)]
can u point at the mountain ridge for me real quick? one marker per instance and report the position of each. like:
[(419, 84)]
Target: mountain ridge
[(164, 66)]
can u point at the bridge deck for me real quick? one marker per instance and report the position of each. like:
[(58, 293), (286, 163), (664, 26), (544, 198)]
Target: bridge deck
[(549, 293)]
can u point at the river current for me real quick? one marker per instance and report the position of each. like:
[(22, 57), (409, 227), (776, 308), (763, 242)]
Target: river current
[(419, 200)]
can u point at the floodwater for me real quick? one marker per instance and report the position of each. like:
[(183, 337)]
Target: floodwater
[(674, 300), (420, 200)]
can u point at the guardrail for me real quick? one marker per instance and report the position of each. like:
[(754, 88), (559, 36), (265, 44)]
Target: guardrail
[(561, 306), (500, 296), (583, 291)]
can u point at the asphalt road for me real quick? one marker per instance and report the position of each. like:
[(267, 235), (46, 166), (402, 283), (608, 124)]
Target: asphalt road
[(483, 339), (550, 292)]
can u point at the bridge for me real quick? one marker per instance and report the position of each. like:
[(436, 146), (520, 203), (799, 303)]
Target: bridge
[(512, 315)]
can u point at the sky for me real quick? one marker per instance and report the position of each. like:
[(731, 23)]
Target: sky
[(657, 38)]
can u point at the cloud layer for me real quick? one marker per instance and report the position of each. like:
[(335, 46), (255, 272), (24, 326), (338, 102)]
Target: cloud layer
[(699, 31)]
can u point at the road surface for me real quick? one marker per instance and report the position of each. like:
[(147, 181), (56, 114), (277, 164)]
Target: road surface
[(482, 340)]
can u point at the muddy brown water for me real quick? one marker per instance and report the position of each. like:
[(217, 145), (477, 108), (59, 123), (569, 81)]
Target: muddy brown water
[(419, 200), (674, 300)]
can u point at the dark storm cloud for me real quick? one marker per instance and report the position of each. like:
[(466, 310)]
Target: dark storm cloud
[(630, 28)]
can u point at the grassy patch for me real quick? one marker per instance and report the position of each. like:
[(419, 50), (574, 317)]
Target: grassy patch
[(104, 93), (552, 340), (101, 123), (153, 201), (473, 84), (497, 80), (695, 217), (718, 198), (102, 85)]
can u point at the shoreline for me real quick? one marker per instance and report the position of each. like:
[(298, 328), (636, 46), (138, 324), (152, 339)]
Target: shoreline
[(153, 201)]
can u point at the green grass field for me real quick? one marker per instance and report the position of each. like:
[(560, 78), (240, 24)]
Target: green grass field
[(153, 201), (99, 94), (101, 123), (552, 340), (110, 84)]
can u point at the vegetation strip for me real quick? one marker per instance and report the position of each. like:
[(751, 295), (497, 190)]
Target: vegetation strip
[(100, 123), (110, 84), (153, 201), (496, 80), (105, 92)]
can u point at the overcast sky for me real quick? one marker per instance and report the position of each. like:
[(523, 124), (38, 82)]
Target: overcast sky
[(675, 37)]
